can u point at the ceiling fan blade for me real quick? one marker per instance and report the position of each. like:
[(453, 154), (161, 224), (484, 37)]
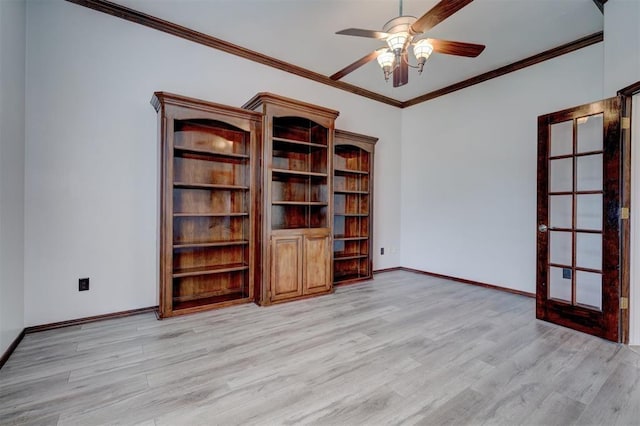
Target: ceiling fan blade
[(437, 14), (401, 73), (359, 32), (456, 48), (357, 64)]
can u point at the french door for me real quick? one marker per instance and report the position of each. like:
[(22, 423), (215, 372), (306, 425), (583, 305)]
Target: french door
[(578, 238)]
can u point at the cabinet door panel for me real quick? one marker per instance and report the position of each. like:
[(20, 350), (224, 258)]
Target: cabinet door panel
[(286, 267), (317, 265)]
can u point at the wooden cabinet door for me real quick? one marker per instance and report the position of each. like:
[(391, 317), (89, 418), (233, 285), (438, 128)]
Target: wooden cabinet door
[(317, 264), (286, 267)]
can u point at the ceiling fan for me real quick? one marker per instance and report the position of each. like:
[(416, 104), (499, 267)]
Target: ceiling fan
[(405, 31)]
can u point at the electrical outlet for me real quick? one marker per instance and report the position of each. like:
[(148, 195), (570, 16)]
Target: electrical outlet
[(381, 250), (83, 284)]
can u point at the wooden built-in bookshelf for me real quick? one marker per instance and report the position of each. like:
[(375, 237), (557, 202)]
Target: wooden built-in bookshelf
[(297, 204), (353, 204), (208, 206), (258, 204)]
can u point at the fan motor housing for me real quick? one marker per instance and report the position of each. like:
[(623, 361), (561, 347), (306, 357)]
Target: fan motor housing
[(399, 24)]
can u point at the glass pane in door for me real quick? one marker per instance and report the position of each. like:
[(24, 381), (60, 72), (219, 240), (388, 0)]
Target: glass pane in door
[(560, 211), (589, 173), (589, 211), (559, 284), (561, 175), (561, 138), (560, 248), (589, 250), (589, 289), (590, 133)]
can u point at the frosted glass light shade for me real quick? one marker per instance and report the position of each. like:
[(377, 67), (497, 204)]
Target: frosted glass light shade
[(386, 59), (396, 41), (422, 49)]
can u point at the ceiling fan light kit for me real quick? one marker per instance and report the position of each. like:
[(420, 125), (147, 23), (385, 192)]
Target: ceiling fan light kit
[(404, 31), (386, 60), (422, 49), (400, 35)]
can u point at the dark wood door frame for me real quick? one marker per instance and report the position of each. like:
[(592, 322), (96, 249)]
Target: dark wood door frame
[(626, 94)]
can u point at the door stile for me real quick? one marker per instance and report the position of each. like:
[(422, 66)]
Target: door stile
[(543, 213), (625, 244), (611, 226), (574, 206)]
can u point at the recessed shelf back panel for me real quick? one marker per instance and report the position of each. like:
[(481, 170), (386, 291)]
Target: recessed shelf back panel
[(296, 216), (209, 229), (210, 257), (210, 135), (195, 169), (216, 288), (222, 201)]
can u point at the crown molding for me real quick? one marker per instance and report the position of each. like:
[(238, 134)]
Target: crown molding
[(600, 5), (150, 21), (515, 66), (132, 15)]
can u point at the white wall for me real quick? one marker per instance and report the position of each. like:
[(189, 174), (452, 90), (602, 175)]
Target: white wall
[(621, 45), (91, 156), (12, 66), (469, 170)]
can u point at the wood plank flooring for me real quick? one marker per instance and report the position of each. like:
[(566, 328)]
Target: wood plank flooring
[(403, 349)]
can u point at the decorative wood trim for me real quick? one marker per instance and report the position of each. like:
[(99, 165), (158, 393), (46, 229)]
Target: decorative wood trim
[(224, 46), (471, 282), (12, 347), (296, 298), (515, 66), (203, 308), (212, 107), (356, 139), (86, 320), (269, 98), (352, 282), (600, 5), (382, 271), (630, 90)]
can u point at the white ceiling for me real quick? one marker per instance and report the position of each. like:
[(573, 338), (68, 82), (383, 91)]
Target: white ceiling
[(302, 32)]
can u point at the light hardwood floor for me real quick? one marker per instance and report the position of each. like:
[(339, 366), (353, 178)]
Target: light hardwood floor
[(403, 349)]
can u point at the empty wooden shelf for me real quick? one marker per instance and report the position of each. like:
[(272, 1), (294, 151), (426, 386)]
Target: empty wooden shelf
[(207, 204), (353, 206)]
